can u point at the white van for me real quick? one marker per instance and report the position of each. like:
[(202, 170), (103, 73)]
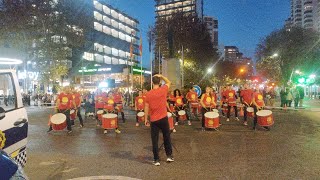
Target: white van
[(13, 118)]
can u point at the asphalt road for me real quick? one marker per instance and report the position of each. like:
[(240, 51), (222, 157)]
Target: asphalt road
[(289, 151)]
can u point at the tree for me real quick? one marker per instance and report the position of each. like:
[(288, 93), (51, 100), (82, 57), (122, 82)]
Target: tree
[(296, 49), (187, 31)]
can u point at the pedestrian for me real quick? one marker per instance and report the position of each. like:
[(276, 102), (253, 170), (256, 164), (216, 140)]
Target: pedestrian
[(283, 98), (231, 99), (296, 97), (180, 105), (208, 103), (64, 104), (258, 104), (301, 96), (246, 95), (78, 100), (156, 100), (289, 97), (139, 105), (110, 108), (273, 96)]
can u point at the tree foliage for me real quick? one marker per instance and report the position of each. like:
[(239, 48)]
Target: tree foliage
[(187, 31), (297, 49)]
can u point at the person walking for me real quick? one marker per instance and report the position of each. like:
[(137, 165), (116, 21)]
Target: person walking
[(283, 98), (289, 97), (77, 98), (156, 106), (296, 97)]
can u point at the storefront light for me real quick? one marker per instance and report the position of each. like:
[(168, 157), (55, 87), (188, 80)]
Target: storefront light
[(9, 61)]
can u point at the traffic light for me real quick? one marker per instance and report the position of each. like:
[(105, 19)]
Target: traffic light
[(302, 80)]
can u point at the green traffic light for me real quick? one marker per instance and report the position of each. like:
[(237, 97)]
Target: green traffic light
[(301, 80)]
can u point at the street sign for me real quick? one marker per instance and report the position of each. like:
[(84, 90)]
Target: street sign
[(198, 90)]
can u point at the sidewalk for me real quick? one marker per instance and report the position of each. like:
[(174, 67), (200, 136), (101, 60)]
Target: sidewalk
[(308, 105)]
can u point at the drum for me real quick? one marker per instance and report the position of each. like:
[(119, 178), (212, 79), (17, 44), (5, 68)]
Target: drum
[(182, 115), (250, 111), (265, 118), (140, 116), (73, 114), (58, 122), (170, 119), (212, 120), (110, 121), (100, 113)]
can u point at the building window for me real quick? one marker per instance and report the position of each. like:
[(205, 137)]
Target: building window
[(114, 33), (115, 52), (115, 60), (106, 30), (107, 50), (88, 56), (121, 61), (106, 10)]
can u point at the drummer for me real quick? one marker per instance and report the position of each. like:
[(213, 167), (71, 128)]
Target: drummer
[(171, 100), (223, 101), (118, 98), (208, 103), (258, 104), (246, 97), (231, 99), (139, 105), (110, 108), (64, 104), (78, 99), (192, 98), (100, 100), (179, 105)]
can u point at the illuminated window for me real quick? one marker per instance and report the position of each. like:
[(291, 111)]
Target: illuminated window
[(88, 56), (107, 50), (97, 26), (115, 60), (121, 61), (122, 36), (106, 30), (115, 52), (107, 20), (107, 59), (106, 10), (99, 58)]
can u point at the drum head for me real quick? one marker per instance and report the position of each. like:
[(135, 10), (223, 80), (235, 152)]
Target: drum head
[(182, 112), (169, 114), (263, 113), (58, 118), (140, 114), (72, 111), (215, 110), (250, 109), (110, 116), (211, 115), (100, 112)]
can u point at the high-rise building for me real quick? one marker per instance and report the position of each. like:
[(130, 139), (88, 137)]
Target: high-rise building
[(305, 14), (212, 25), (232, 53), (165, 8)]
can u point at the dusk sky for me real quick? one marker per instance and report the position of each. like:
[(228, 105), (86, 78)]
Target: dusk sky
[(242, 23)]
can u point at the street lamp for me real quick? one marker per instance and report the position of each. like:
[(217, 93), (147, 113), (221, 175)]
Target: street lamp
[(209, 70), (312, 76), (298, 72), (241, 70), (275, 55)]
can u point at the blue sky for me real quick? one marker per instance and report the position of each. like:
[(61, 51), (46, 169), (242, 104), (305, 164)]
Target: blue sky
[(242, 23)]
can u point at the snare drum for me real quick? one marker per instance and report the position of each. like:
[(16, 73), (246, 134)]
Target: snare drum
[(110, 121), (182, 115), (250, 111), (140, 116), (265, 118), (212, 120), (100, 113), (72, 114), (58, 122), (170, 119)]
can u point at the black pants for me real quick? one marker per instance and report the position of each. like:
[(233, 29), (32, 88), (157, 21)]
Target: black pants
[(122, 114), (79, 115), (223, 105), (235, 111), (245, 112), (181, 108), (156, 126), (137, 118), (203, 111)]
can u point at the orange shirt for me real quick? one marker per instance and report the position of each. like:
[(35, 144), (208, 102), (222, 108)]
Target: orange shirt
[(66, 101), (246, 95), (110, 104), (77, 98), (208, 100), (100, 100), (117, 97), (192, 96), (258, 99), (179, 101), (140, 102), (157, 100)]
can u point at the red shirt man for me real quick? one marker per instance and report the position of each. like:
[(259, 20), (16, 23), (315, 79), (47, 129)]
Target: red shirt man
[(258, 98), (66, 101), (117, 97), (230, 95), (100, 100), (77, 98), (157, 101), (192, 96), (246, 95)]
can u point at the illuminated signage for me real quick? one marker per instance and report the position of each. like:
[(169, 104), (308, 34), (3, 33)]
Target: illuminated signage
[(30, 75), (143, 71), (95, 70)]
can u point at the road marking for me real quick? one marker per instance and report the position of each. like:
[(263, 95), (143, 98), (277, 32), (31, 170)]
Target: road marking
[(49, 163), (69, 170), (104, 178)]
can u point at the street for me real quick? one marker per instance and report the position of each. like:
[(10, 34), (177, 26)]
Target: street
[(289, 151)]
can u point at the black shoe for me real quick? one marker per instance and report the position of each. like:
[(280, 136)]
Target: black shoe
[(266, 128), (49, 130)]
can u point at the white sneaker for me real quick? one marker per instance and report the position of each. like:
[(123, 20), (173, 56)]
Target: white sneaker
[(137, 124), (174, 130), (170, 159), (237, 119), (176, 124), (245, 123), (228, 120), (189, 123), (105, 131), (156, 163)]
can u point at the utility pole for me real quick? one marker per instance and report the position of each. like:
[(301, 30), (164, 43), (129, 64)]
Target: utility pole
[(182, 69)]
